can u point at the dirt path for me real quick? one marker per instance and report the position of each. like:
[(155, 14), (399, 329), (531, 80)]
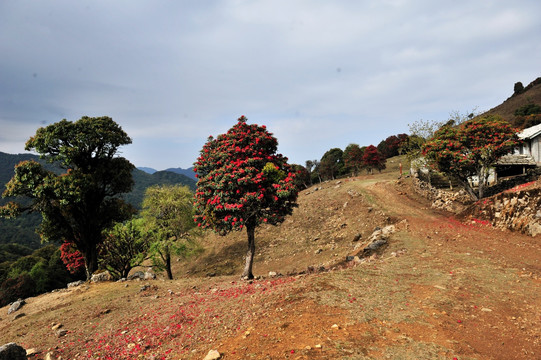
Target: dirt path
[(459, 291)]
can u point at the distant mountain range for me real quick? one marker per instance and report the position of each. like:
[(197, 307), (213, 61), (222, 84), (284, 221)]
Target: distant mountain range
[(22, 229), (187, 172)]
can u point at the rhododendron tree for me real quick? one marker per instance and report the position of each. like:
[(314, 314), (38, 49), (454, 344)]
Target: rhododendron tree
[(470, 149), (242, 183), (373, 159), (353, 158)]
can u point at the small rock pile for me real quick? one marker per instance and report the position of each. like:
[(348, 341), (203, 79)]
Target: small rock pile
[(376, 241), (452, 201)]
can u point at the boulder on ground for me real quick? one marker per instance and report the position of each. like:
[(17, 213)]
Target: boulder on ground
[(12, 351), (16, 306), (103, 276), (75, 283)]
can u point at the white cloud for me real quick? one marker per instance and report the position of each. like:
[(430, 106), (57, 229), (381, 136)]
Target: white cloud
[(320, 74)]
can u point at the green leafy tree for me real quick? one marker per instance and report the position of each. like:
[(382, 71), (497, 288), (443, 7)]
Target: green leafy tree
[(168, 213), (243, 183), (419, 133), (332, 164), (470, 149), (125, 246), (313, 167), (309, 166), (353, 158), (78, 205)]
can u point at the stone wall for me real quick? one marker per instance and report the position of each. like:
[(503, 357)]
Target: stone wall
[(513, 210), (516, 210), (452, 201)]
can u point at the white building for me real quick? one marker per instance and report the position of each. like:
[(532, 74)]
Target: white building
[(531, 145)]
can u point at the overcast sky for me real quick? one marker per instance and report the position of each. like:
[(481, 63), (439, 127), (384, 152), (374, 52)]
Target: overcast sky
[(319, 74)]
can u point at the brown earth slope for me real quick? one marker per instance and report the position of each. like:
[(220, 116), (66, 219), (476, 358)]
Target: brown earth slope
[(531, 95), (442, 289)]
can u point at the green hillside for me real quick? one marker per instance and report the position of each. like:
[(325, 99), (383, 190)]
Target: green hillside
[(22, 229), (143, 180)]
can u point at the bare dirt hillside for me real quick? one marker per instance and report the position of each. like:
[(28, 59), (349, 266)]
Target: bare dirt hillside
[(442, 289), (531, 95)]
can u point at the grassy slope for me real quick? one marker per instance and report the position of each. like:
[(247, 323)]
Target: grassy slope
[(442, 289)]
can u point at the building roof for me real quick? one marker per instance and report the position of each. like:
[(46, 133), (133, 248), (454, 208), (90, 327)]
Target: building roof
[(531, 132), (516, 159)]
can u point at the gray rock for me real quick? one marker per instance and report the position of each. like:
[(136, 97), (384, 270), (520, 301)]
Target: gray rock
[(137, 275), (103, 276), (75, 283), (357, 237), (12, 351), (16, 306), (373, 246), (61, 332), (149, 275)]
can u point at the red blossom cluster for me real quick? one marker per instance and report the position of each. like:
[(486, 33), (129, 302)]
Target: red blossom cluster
[(72, 258), (242, 179)]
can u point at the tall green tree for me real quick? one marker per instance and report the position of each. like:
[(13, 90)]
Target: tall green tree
[(470, 149), (168, 213), (78, 205), (332, 164), (243, 183)]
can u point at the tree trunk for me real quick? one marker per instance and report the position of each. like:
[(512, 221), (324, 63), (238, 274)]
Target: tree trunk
[(466, 184), (247, 274), (168, 263), (91, 260), (481, 185)]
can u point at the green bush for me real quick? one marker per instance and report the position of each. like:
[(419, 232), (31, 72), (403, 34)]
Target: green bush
[(529, 109)]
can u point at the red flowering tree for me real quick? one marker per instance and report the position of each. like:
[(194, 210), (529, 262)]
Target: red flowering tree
[(72, 258), (373, 159), (353, 158), (243, 182), (470, 149)]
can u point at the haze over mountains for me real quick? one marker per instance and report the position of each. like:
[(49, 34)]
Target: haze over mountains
[(187, 172)]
